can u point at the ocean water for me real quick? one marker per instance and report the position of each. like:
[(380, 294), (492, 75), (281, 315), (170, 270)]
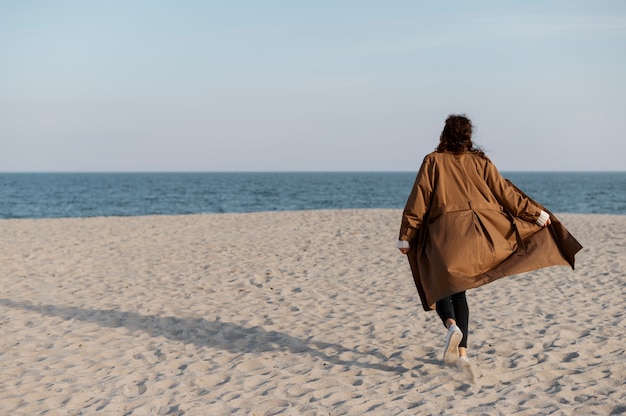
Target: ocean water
[(54, 195)]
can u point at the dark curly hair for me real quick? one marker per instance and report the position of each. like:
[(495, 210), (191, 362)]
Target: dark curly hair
[(456, 136)]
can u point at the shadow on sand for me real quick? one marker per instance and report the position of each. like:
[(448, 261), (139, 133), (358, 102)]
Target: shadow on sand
[(214, 334)]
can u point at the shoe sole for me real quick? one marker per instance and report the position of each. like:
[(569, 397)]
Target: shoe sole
[(451, 351)]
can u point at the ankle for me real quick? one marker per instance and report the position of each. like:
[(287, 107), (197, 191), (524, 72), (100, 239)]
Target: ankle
[(450, 322)]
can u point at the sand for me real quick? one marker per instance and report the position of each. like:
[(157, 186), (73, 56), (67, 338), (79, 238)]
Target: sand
[(293, 313)]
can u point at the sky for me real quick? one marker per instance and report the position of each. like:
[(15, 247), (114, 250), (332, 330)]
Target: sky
[(149, 85)]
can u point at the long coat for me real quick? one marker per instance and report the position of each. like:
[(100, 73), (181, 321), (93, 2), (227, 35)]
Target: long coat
[(468, 226)]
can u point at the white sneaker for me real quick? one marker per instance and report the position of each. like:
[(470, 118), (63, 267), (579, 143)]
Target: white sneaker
[(463, 363), (451, 350)]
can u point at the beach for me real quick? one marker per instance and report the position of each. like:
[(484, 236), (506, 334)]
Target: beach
[(293, 313)]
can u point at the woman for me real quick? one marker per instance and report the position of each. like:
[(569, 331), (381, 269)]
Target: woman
[(464, 225)]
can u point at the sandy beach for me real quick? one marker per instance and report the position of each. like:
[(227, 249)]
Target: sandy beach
[(293, 313)]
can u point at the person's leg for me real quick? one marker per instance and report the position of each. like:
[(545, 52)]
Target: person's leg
[(445, 310), (461, 316)]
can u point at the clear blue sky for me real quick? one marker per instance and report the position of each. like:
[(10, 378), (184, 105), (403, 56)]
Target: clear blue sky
[(149, 85)]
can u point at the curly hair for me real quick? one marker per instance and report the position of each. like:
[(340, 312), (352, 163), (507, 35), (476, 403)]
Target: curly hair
[(456, 136)]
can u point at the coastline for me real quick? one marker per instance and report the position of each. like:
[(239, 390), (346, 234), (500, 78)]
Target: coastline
[(293, 312)]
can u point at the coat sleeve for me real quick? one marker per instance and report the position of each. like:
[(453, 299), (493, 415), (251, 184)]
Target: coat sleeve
[(418, 203), (512, 200)]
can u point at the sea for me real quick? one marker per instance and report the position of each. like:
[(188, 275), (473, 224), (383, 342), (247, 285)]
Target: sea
[(67, 195)]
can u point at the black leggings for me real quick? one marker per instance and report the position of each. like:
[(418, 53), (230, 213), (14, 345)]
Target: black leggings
[(455, 307)]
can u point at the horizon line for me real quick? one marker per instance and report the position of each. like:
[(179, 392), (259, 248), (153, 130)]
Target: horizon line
[(279, 171)]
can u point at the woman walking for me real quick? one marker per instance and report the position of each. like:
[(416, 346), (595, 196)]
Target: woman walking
[(464, 225)]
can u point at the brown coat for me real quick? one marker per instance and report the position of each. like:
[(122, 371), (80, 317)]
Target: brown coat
[(468, 226)]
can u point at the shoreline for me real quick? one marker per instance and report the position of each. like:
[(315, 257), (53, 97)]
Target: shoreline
[(321, 210)]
